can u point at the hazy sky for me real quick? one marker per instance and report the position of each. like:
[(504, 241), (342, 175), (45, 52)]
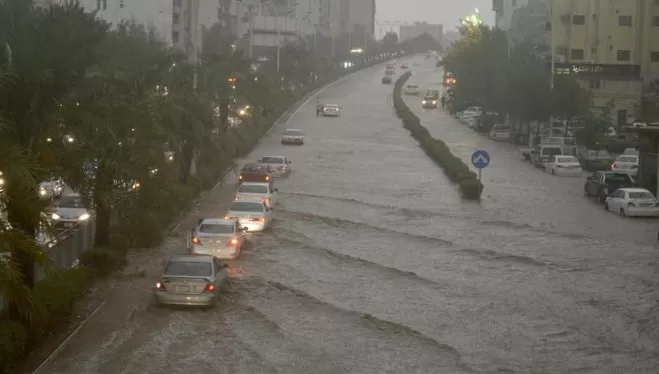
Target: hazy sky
[(445, 12)]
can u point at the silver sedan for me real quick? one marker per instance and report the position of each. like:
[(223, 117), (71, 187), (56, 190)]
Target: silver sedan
[(222, 238), (191, 280)]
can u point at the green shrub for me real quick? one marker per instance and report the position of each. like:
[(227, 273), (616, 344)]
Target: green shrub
[(55, 297), (454, 168), (13, 344), (102, 262)]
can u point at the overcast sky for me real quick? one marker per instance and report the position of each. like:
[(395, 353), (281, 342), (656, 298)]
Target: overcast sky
[(445, 12)]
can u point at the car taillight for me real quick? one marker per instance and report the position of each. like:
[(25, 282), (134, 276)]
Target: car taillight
[(233, 241), (195, 240), (631, 205), (267, 178), (160, 285), (613, 165), (236, 197), (257, 219), (210, 287), (230, 218), (240, 177), (266, 200)]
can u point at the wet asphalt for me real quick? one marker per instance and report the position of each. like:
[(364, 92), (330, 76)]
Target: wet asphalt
[(376, 265)]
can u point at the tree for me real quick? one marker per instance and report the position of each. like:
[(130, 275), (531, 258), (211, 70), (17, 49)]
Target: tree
[(649, 108), (593, 128), (568, 100), (529, 94), (390, 40)]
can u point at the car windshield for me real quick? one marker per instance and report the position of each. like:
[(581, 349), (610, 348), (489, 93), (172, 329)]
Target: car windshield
[(412, 86), (253, 189), (216, 229), (617, 177), (502, 128), (71, 202), (188, 268), (551, 151), (272, 160), (627, 159), (292, 132), (567, 160), (429, 97), (254, 168), (332, 106), (641, 195), (246, 206)]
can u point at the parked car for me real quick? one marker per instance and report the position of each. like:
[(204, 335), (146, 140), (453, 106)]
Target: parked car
[(627, 164), (191, 280), (501, 132), (567, 166), (602, 183), (632, 202)]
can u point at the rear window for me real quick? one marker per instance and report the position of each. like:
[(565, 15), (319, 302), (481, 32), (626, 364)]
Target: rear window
[(502, 128), (190, 269), (253, 189), (628, 159), (292, 132), (254, 168), (617, 178), (567, 159), (272, 160), (244, 206), (640, 195), (551, 151), (216, 229), (412, 86), (332, 106), (71, 202)]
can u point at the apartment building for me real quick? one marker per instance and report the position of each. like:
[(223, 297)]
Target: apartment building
[(504, 10), (612, 46), (529, 23), (408, 32)]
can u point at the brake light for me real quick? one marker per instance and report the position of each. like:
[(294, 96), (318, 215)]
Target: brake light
[(233, 241), (240, 177), (230, 218), (267, 178), (210, 287), (257, 219), (613, 165), (195, 240), (236, 197), (160, 285), (631, 205), (266, 200)]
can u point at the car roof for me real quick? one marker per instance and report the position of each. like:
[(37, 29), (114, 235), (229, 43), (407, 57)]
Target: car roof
[(634, 189), (248, 199), (331, 104), (190, 258), (217, 221), (293, 130)]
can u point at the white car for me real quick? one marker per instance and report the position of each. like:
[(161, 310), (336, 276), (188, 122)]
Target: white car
[(630, 152), (501, 132), (626, 163), (280, 165), (412, 89), (292, 136), (70, 211), (567, 166), (221, 238), (51, 188), (253, 191), (253, 215), (632, 202), (331, 110)]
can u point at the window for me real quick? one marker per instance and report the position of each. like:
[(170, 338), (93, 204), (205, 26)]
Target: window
[(654, 56), (593, 50), (624, 21), (578, 19), (595, 84), (624, 55), (105, 4), (177, 3), (175, 18), (98, 4), (215, 229), (577, 54), (655, 21), (175, 37)]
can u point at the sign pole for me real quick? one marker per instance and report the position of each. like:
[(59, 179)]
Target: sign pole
[(480, 171)]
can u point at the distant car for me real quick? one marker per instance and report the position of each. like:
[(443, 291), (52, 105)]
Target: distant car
[(404, 66), (331, 110), (221, 238), (389, 71), (70, 211), (256, 172), (633, 202), (194, 280), (498, 132), (292, 136), (602, 183), (412, 89), (253, 215), (416, 63), (257, 191), (564, 166), (51, 188), (386, 80), (279, 165), (430, 100), (626, 163)]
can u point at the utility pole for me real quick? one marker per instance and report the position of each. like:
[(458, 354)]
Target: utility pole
[(250, 22)]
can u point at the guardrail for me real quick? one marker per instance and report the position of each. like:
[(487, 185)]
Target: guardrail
[(66, 249)]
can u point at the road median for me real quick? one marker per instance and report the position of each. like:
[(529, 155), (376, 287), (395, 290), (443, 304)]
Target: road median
[(454, 168)]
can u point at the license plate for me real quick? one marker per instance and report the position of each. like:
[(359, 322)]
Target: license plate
[(68, 224), (182, 289)]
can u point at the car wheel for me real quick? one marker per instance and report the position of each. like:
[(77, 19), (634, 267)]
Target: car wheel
[(606, 206), (602, 196), (585, 192), (622, 212), (552, 172)]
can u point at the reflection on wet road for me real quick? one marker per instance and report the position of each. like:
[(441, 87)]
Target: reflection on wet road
[(375, 265)]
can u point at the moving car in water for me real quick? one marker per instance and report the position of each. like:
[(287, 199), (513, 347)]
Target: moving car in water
[(331, 110), (221, 238), (51, 188), (412, 89), (404, 66), (252, 191), (69, 211), (255, 172), (567, 166), (626, 163), (194, 280), (292, 136), (632, 202), (390, 70), (386, 80), (603, 183), (253, 215), (430, 99), (279, 165)]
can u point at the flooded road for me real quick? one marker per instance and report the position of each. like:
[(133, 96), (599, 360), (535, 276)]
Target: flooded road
[(375, 265)]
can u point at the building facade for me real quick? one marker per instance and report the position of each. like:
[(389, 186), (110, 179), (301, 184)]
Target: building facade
[(612, 46), (408, 32), (504, 10)]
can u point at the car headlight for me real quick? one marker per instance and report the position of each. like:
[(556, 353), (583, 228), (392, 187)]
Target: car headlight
[(43, 192), (434, 102), (84, 217), (423, 102), (55, 216)]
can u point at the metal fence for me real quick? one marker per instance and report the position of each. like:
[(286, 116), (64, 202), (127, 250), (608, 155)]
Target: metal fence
[(66, 249)]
